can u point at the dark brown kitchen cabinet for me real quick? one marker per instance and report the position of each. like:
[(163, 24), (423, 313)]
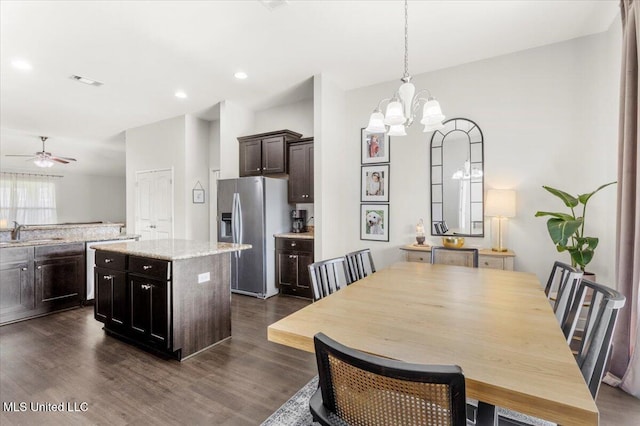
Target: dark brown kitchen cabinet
[(293, 256), (37, 280), (111, 300), (59, 276), (17, 295), (150, 315), (265, 153), (301, 171)]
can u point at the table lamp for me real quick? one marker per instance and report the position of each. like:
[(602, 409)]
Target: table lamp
[(420, 233), (501, 204)]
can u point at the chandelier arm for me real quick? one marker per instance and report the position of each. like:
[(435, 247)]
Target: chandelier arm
[(379, 108)]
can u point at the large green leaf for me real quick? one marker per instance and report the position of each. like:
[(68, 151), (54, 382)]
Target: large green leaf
[(562, 216), (581, 257), (583, 198), (568, 199), (590, 242), (561, 230)]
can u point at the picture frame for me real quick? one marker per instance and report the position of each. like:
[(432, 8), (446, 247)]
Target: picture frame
[(374, 222), (198, 196), (374, 183), (375, 147)]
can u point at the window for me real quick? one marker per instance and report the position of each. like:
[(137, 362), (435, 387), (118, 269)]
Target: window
[(27, 199)]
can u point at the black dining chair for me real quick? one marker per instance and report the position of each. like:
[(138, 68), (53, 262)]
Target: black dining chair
[(561, 290), (328, 276), (361, 389), (360, 264)]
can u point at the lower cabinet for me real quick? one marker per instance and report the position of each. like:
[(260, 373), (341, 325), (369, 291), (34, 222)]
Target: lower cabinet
[(149, 310), (293, 256), (486, 257), (36, 280), (133, 298)]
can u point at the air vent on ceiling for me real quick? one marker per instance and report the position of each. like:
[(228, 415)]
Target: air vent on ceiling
[(86, 80), (273, 4)]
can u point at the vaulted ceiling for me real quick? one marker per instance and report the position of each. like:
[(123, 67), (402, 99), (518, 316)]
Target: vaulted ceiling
[(145, 51)]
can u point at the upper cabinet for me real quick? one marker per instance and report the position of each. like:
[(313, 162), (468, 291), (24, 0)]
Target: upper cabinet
[(265, 153), (301, 171)]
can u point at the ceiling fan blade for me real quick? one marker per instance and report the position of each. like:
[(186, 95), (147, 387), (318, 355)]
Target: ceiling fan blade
[(65, 158), (59, 160), (19, 155)]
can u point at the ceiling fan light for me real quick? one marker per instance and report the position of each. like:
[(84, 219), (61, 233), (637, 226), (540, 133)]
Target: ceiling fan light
[(395, 114), (376, 123), (43, 162), (397, 130)]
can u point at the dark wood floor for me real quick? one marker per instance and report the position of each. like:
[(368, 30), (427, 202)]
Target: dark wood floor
[(66, 357)]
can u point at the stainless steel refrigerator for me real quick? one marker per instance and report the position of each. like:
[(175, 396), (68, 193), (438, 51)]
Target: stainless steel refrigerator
[(250, 211)]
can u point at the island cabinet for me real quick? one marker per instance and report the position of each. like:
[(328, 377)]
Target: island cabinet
[(265, 153), (174, 306), (301, 171), (37, 280), (293, 257)]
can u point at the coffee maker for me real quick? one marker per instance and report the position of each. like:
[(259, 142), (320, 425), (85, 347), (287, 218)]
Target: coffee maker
[(298, 221)]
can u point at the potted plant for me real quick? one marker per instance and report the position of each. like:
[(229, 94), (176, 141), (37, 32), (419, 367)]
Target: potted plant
[(567, 229)]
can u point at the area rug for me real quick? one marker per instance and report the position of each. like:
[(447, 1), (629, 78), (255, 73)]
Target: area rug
[(295, 412)]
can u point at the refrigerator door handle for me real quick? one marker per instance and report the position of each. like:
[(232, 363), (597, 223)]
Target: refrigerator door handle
[(239, 222), (234, 219)]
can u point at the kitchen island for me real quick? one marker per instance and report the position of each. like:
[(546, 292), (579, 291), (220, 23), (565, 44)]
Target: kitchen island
[(171, 297)]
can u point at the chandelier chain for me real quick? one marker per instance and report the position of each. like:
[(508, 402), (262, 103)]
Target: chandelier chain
[(406, 39)]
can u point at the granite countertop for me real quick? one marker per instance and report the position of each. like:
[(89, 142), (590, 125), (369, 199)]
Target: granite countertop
[(56, 240), (68, 225), (172, 249), (298, 235)]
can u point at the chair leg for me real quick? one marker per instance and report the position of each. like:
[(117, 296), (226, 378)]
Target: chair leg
[(486, 415)]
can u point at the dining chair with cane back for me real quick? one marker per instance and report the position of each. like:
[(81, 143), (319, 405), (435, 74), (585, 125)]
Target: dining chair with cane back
[(328, 276), (356, 388), (455, 256), (561, 290), (360, 264)]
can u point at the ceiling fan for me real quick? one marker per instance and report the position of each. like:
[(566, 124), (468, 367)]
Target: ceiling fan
[(44, 158)]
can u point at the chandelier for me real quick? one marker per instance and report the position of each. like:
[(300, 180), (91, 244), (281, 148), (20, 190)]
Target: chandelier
[(402, 107)]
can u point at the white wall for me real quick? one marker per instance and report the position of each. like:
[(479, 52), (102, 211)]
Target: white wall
[(335, 180), (156, 146), (549, 117), (196, 170), (88, 198), (214, 145), (235, 121), (297, 116)]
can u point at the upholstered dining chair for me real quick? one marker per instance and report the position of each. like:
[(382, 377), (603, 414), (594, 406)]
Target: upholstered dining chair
[(328, 276), (458, 256), (360, 264), (361, 389), (561, 290)]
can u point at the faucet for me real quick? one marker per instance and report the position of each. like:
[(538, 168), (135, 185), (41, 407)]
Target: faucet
[(15, 233)]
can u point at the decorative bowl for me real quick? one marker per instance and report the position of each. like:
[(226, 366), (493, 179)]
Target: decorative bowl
[(452, 242)]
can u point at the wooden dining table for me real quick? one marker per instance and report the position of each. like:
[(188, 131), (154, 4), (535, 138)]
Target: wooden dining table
[(496, 325)]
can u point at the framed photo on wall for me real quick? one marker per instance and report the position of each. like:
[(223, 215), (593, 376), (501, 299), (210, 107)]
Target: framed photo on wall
[(375, 147), (374, 183), (374, 222), (198, 196)]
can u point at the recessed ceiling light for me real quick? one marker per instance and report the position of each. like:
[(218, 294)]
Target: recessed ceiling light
[(86, 80), (180, 94), (240, 75), (21, 64)]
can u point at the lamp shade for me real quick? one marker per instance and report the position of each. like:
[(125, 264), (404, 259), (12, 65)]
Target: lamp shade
[(376, 123), (431, 113), (395, 114), (500, 203), (397, 130)]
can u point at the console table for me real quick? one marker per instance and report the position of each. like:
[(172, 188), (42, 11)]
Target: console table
[(487, 258)]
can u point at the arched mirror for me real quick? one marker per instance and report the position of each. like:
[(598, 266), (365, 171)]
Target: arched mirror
[(457, 182)]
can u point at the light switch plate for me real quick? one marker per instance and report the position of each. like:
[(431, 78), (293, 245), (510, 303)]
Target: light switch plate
[(203, 278)]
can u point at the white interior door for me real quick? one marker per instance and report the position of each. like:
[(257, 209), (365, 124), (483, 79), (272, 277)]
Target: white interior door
[(154, 204)]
